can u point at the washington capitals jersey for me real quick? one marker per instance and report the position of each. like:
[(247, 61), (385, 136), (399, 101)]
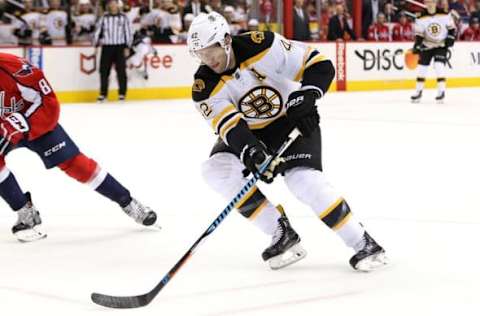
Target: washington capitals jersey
[(268, 68), (434, 28), (24, 89)]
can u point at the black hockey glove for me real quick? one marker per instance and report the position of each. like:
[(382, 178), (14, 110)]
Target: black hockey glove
[(302, 111), (418, 45), (416, 49), (449, 41), (253, 156)]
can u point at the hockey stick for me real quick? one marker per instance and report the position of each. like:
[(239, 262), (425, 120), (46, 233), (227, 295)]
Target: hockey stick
[(145, 299)]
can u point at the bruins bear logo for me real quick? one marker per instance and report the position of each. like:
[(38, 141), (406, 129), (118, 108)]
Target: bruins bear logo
[(434, 29), (261, 103)]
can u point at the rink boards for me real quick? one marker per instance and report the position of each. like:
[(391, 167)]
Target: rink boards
[(73, 71)]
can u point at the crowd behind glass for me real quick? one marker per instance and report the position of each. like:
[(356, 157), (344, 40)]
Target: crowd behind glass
[(47, 22)]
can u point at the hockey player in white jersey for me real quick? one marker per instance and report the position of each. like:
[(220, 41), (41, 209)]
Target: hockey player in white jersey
[(253, 89), (434, 34), (55, 23)]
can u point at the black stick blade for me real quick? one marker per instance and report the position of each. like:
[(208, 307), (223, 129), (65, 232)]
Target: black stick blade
[(120, 301)]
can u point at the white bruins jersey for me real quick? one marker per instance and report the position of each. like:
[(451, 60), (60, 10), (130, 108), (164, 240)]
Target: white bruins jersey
[(86, 21), (163, 19), (434, 28), (270, 67), (33, 20), (55, 22)]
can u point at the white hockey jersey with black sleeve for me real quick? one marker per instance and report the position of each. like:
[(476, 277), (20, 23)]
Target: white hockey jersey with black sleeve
[(268, 68), (434, 28)]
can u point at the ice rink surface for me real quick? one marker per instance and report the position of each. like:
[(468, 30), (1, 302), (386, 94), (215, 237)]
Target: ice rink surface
[(410, 173)]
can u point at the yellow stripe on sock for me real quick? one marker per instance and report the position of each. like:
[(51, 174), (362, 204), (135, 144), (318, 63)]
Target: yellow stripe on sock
[(342, 222), (246, 197), (331, 208), (258, 210)]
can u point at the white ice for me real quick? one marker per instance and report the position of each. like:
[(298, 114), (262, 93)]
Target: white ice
[(411, 174)]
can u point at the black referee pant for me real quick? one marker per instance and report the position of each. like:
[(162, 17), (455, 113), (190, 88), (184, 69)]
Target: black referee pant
[(113, 54)]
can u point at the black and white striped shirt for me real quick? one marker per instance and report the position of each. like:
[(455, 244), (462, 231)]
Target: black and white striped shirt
[(113, 30)]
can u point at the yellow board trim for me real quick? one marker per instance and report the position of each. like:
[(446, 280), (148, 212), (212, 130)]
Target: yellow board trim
[(331, 208), (408, 84), (342, 222), (186, 92), (133, 94)]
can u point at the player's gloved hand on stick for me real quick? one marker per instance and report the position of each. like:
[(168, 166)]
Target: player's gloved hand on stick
[(13, 129), (302, 111), (449, 41), (253, 156)]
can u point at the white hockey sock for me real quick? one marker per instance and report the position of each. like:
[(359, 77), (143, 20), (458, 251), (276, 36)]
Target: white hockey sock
[(422, 74), (441, 85), (223, 172), (266, 218), (440, 71), (310, 187), (419, 85), (351, 232)]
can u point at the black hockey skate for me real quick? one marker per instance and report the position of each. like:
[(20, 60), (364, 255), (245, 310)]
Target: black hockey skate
[(370, 257), (27, 228), (416, 97), (140, 213), (101, 99), (440, 97), (285, 248)]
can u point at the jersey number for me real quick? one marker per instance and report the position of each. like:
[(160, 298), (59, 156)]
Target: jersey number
[(44, 86), (205, 109)]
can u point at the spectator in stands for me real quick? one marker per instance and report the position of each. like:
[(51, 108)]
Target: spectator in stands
[(461, 9), (217, 6), (84, 23), (194, 7), (472, 33), (55, 25), (6, 28), (252, 26), (164, 21), (403, 30), (27, 24), (187, 21), (301, 29), (241, 13), (229, 14), (338, 27), (370, 10), (390, 15), (476, 14), (379, 31)]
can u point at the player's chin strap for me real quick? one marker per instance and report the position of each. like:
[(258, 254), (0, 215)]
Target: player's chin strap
[(227, 51)]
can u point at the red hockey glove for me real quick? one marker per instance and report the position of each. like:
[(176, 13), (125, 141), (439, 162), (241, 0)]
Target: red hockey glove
[(13, 129)]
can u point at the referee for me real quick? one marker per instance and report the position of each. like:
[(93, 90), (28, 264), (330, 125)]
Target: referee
[(114, 33)]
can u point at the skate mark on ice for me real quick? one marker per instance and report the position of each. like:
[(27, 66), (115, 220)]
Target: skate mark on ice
[(288, 303)]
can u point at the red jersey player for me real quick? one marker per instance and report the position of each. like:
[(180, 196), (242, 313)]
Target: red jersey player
[(403, 30), (379, 31), (472, 33), (29, 112)]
